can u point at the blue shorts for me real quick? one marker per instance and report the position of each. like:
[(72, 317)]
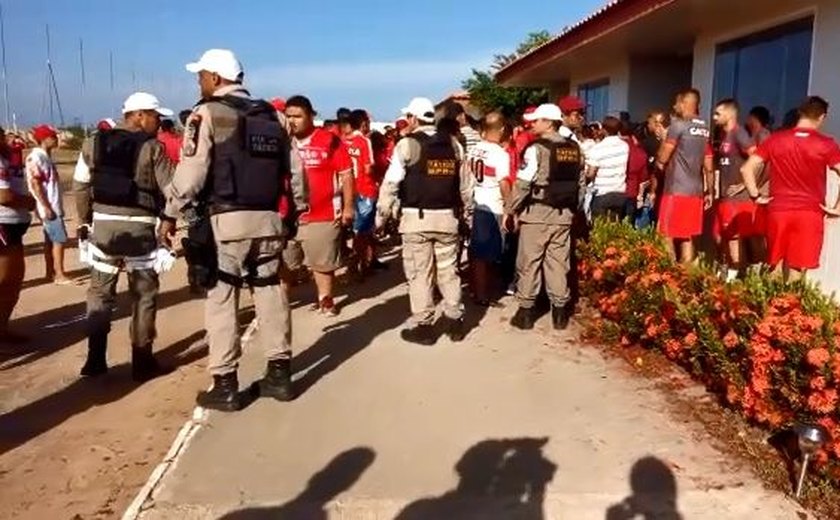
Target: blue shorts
[(54, 231), (486, 241), (365, 219)]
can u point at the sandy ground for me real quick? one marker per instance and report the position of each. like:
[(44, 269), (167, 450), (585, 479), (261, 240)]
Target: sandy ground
[(81, 449)]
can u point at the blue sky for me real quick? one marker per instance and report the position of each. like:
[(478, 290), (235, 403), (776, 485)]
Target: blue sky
[(369, 53)]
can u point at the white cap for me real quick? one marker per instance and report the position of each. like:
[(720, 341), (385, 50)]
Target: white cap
[(422, 108), (218, 61), (548, 111), (144, 101)]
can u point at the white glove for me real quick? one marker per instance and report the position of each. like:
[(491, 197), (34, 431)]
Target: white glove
[(164, 260)]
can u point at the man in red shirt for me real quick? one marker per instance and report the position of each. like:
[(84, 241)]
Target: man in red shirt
[(329, 176), (735, 213), (170, 139), (367, 188), (637, 172), (796, 208)]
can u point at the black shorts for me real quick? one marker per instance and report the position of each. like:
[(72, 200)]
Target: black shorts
[(12, 234)]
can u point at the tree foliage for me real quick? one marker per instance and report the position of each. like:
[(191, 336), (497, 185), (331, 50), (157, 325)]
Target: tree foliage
[(487, 94)]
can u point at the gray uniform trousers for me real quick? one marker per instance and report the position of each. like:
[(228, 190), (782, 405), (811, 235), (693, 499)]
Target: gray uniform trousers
[(544, 251), (430, 257), (121, 242), (259, 256)]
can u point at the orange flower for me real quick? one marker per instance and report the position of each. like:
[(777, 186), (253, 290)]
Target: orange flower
[(610, 251), (818, 357), (730, 341), (817, 383), (835, 366), (673, 349), (690, 339), (597, 275), (823, 401)]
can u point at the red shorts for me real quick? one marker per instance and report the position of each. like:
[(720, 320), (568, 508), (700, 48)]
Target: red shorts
[(736, 219), (795, 237), (680, 216)]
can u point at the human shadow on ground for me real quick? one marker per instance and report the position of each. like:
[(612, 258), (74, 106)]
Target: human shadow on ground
[(654, 493), (499, 479), (311, 504), (60, 327), (343, 340), (31, 420)]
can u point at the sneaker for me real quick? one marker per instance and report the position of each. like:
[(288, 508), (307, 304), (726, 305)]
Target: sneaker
[(327, 306), (511, 289)]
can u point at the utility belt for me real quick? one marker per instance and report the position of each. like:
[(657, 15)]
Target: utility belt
[(160, 260), (201, 254), (421, 212)]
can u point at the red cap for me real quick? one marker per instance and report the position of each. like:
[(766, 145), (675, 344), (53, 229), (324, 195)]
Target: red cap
[(401, 123), (279, 104), (105, 124), (528, 110), (41, 132), (571, 104)]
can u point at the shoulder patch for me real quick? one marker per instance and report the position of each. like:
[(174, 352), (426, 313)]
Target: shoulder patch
[(190, 144)]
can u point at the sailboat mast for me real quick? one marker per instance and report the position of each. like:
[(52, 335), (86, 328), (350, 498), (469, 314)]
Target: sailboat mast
[(6, 103)]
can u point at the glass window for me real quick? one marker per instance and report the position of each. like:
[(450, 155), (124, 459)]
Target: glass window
[(596, 95), (770, 68)]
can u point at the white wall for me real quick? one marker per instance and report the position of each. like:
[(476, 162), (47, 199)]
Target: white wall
[(653, 83), (825, 81), (617, 70)]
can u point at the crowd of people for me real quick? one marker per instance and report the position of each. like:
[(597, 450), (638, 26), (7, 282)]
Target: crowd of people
[(270, 197)]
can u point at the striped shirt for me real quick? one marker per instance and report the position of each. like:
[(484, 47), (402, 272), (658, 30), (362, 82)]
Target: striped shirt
[(610, 156)]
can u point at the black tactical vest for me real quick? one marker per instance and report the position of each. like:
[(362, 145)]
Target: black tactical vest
[(564, 168), (433, 181), (116, 180), (249, 174)]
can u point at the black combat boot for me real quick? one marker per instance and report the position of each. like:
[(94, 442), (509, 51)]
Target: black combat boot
[(277, 382), (224, 396), (422, 334), (144, 366), (97, 362), (456, 329), (560, 317), (523, 319)]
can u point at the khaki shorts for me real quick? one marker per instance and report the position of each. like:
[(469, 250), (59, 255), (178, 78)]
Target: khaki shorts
[(321, 246)]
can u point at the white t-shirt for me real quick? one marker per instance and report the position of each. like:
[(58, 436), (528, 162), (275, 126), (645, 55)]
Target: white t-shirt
[(40, 169), (12, 179), (610, 156), (489, 164)]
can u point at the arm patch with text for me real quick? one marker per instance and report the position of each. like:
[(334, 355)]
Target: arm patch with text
[(190, 146)]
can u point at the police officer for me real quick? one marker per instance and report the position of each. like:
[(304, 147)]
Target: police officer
[(425, 178), (545, 197), (119, 179), (235, 160)]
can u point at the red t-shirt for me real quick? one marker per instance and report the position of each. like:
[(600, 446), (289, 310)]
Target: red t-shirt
[(362, 154), (16, 149), (798, 160), (523, 139), (171, 144), (323, 156), (637, 168)]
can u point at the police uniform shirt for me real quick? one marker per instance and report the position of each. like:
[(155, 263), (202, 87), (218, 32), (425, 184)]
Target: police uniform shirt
[(406, 153), (534, 170), (143, 239), (208, 125)]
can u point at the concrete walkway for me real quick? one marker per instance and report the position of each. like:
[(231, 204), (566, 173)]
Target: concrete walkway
[(506, 425)]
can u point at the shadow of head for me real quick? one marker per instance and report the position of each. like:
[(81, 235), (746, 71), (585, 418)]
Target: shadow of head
[(505, 467), (654, 488), (337, 476)]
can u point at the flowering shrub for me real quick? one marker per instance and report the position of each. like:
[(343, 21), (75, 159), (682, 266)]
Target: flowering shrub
[(769, 350)]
